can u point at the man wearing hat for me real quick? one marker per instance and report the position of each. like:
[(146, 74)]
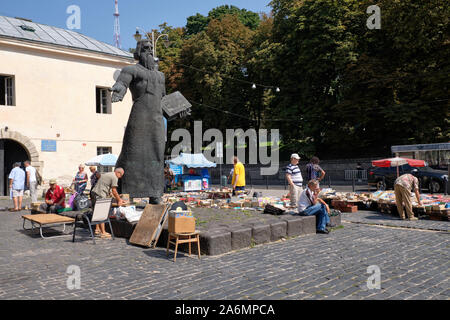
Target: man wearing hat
[(54, 198), (295, 179)]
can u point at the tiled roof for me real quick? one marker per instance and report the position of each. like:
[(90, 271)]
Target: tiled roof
[(23, 29)]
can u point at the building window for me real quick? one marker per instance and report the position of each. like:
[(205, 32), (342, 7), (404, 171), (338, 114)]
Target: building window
[(104, 150), (7, 90), (103, 99)]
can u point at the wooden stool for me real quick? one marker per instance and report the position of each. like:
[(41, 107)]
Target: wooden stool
[(183, 238)]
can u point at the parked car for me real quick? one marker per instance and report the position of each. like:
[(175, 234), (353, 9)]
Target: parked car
[(431, 179)]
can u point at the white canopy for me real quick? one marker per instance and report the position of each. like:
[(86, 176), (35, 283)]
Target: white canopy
[(196, 160)]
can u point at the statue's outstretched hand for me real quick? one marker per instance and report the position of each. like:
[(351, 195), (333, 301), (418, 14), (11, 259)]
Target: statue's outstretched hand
[(184, 114), (118, 92)]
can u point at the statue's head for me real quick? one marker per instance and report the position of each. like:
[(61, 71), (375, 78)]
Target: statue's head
[(144, 53)]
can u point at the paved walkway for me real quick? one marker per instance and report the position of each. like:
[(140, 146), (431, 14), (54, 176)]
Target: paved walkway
[(377, 218), (414, 264)]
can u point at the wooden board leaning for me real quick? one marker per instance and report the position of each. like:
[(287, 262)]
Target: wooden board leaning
[(149, 226)]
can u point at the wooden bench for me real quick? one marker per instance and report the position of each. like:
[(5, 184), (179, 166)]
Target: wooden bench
[(47, 220)]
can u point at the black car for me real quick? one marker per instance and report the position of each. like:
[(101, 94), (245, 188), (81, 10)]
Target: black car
[(431, 179)]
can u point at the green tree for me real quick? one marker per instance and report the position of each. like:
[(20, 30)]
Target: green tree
[(199, 22)]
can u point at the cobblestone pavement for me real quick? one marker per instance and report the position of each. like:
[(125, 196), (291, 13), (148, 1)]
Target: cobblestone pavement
[(414, 264), (377, 218)]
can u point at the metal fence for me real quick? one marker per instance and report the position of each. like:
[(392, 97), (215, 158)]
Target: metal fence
[(355, 174)]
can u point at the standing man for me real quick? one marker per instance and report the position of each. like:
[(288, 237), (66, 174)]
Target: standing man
[(106, 185), (31, 180), (17, 185), (295, 179), (314, 171), (238, 181), (54, 198), (402, 188)]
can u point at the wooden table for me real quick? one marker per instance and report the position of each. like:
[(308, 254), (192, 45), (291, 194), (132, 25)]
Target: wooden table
[(46, 220)]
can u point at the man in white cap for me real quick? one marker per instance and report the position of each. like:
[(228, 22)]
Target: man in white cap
[(295, 179)]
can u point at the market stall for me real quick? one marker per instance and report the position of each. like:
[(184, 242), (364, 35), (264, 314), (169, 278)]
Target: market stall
[(397, 162), (194, 181)]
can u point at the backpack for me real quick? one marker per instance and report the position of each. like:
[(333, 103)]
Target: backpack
[(38, 178), (81, 202)]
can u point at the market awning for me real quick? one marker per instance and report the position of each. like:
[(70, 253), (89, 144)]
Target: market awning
[(107, 160), (397, 161), (196, 160)]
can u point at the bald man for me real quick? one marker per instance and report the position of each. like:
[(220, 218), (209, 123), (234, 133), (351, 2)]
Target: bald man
[(106, 185)]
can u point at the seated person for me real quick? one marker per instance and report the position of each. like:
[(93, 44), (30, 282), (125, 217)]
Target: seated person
[(310, 204), (54, 198)]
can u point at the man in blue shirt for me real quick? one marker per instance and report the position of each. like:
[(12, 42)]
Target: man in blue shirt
[(17, 185)]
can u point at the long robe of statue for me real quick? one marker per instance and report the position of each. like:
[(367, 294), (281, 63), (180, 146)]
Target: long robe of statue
[(142, 155)]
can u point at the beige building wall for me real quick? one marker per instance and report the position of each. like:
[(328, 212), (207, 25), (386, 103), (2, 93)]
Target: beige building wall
[(55, 99)]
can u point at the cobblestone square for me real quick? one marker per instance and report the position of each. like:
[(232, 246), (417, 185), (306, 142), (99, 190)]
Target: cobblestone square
[(413, 262)]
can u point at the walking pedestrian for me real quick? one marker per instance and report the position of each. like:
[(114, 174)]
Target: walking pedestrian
[(31, 180), (17, 185)]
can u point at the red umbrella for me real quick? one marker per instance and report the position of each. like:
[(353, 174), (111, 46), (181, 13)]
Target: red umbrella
[(397, 161)]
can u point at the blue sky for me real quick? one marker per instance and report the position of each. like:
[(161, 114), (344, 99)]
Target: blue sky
[(97, 19)]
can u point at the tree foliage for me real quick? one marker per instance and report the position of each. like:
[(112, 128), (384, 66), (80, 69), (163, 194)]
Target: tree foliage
[(199, 22), (346, 90)]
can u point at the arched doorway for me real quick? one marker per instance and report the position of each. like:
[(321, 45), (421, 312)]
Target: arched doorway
[(10, 153)]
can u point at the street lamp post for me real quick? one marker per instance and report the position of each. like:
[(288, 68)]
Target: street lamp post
[(138, 37), (154, 42)]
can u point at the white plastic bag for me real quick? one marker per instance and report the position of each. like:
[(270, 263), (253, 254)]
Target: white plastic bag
[(130, 213)]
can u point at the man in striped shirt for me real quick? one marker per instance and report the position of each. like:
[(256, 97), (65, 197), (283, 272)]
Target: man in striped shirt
[(295, 179)]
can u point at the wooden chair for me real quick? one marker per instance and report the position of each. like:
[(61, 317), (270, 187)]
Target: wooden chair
[(183, 238)]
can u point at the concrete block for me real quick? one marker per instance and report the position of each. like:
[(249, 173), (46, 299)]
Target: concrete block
[(121, 228), (261, 233), (215, 242), (278, 230), (309, 225), (241, 237), (336, 220), (294, 225)]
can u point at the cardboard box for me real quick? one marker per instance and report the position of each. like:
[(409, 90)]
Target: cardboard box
[(181, 224), (349, 209), (255, 204), (36, 205)]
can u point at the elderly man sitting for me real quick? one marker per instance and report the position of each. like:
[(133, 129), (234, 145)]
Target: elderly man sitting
[(310, 204), (54, 198)]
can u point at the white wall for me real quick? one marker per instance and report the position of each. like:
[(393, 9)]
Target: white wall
[(55, 94)]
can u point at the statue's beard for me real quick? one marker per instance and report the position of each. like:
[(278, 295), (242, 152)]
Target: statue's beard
[(146, 59)]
